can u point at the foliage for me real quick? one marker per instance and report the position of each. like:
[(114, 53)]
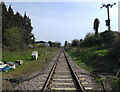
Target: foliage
[(58, 44), (91, 40), (96, 25), (54, 44), (107, 37), (75, 43), (103, 52), (87, 54), (93, 57), (65, 44), (12, 37), (116, 49), (50, 43), (15, 24), (99, 80)]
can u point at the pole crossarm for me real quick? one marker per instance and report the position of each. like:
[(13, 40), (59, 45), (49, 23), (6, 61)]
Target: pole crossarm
[(108, 5)]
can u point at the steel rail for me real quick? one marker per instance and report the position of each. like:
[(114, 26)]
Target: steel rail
[(50, 74), (81, 89), (74, 74)]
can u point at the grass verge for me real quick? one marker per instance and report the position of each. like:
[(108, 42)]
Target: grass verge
[(95, 58), (29, 65)]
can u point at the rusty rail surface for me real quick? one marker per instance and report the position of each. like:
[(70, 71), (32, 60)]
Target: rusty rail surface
[(74, 74), (50, 74)]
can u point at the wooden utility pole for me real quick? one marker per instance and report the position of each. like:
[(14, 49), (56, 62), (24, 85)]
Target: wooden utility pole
[(108, 21)]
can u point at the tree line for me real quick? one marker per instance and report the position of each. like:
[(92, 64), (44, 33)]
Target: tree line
[(49, 43), (16, 29), (54, 44)]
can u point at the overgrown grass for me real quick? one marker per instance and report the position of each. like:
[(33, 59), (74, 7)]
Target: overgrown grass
[(23, 55), (92, 57), (81, 64), (29, 65)]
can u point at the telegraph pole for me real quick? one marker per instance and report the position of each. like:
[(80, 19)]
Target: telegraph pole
[(107, 6)]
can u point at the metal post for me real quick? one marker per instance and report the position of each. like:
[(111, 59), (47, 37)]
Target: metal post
[(107, 6), (108, 18)]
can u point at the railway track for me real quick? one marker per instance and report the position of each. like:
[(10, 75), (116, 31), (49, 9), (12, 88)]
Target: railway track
[(62, 76)]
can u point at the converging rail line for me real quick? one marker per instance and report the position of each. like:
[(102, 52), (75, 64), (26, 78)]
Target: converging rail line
[(62, 76)]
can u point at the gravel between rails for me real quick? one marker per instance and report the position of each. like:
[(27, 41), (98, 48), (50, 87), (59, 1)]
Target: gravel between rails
[(60, 79)]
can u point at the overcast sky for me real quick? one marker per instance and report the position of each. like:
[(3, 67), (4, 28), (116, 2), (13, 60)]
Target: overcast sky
[(60, 21)]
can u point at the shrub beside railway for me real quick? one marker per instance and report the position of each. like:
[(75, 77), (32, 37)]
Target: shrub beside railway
[(98, 54)]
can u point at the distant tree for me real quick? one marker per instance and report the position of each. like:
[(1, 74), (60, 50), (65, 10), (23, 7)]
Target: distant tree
[(65, 44), (69, 46), (58, 44), (95, 26), (75, 43), (54, 44), (50, 43), (80, 40)]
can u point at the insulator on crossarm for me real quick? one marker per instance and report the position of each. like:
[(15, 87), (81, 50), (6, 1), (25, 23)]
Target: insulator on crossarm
[(111, 6), (103, 5)]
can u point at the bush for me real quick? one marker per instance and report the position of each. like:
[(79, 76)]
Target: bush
[(116, 48), (75, 43), (107, 37), (91, 40)]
